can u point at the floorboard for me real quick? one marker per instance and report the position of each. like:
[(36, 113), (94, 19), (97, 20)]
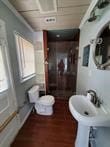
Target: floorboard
[(58, 130)]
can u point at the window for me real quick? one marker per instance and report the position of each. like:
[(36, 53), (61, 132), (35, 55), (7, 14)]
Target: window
[(3, 78), (26, 57)]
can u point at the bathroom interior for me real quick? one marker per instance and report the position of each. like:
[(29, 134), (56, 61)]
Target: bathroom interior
[(55, 73)]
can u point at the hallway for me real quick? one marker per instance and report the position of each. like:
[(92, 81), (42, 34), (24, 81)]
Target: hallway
[(48, 131)]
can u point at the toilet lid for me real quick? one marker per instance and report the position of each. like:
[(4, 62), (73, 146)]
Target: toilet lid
[(47, 100)]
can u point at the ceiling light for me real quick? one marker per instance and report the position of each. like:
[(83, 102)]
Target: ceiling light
[(57, 35)]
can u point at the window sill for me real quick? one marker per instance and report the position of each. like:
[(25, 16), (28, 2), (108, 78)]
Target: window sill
[(27, 78), (3, 90)]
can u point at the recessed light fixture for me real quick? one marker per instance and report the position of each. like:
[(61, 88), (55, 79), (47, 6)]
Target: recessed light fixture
[(57, 35)]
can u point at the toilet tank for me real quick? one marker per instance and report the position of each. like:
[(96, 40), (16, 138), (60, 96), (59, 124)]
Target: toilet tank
[(33, 94)]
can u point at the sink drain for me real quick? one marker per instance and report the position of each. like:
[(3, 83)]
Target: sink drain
[(86, 113)]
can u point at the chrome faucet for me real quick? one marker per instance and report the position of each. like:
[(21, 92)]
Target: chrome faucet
[(94, 98)]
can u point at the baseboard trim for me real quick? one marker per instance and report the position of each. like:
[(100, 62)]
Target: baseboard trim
[(13, 127), (27, 115), (22, 123)]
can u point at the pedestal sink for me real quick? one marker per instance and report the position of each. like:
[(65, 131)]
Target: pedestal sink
[(87, 115)]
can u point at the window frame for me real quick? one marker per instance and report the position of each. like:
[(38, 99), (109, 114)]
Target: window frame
[(5, 66), (23, 79)]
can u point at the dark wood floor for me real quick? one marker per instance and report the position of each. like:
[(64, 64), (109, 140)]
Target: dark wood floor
[(58, 130)]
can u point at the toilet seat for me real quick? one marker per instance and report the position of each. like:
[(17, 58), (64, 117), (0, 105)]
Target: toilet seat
[(46, 100)]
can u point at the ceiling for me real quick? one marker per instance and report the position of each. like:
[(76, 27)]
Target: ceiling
[(63, 35), (68, 16)]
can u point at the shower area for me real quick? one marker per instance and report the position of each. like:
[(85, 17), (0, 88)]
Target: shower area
[(62, 68)]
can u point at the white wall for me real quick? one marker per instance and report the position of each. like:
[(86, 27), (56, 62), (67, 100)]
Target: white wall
[(39, 59), (90, 77)]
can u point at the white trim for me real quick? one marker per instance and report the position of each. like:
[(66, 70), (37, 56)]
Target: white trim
[(22, 123), (9, 5), (23, 79), (2, 52), (27, 115), (4, 37), (20, 34), (87, 14), (9, 63), (10, 132)]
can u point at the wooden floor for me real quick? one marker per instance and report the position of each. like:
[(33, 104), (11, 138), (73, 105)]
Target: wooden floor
[(58, 130)]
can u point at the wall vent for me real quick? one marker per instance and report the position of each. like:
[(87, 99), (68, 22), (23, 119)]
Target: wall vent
[(47, 6), (50, 20)]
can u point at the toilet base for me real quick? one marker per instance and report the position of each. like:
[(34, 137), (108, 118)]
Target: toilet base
[(43, 109)]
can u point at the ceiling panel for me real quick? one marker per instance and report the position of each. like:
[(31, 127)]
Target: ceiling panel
[(70, 3), (69, 20), (61, 18), (24, 5), (57, 27), (61, 11), (69, 14)]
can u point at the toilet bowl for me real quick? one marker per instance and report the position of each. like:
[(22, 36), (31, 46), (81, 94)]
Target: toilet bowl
[(44, 104)]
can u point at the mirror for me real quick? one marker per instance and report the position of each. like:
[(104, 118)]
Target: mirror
[(102, 50)]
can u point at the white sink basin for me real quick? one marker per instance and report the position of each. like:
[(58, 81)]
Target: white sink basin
[(86, 113)]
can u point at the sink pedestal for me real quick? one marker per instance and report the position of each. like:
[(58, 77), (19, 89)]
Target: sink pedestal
[(82, 138)]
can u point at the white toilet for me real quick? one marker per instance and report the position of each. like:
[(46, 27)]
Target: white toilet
[(44, 104)]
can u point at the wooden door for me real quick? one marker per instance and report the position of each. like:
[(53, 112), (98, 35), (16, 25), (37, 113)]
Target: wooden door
[(45, 42)]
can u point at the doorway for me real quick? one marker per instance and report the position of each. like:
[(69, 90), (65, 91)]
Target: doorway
[(62, 62)]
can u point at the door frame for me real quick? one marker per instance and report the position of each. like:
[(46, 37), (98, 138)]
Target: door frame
[(45, 43)]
